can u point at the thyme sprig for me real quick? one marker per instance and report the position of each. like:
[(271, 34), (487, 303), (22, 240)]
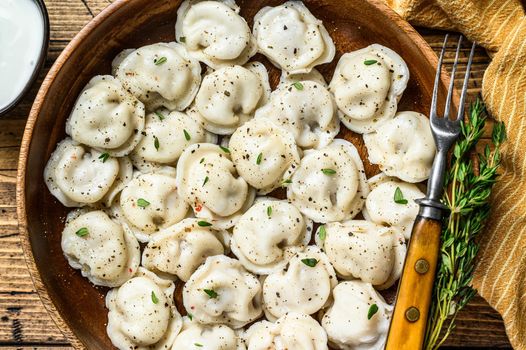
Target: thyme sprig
[(469, 182)]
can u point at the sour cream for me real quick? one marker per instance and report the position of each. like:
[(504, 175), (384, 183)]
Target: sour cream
[(21, 41)]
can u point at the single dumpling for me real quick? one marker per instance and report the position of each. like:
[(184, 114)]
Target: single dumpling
[(364, 250), (107, 117), (359, 317), (305, 108), (209, 337), (142, 314), (166, 135), (208, 181), (221, 291), (329, 184), (303, 286), (159, 75), (403, 147), (150, 202), (263, 154), (392, 202), (292, 331), (292, 38), (214, 32), (77, 175), (179, 249), (104, 251), (228, 98), (268, 234), (368, 84)]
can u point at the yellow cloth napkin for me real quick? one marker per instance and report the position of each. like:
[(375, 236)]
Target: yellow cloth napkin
[(499, 26)]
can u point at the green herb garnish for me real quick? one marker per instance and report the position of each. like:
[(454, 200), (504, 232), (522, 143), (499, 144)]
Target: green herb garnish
[(104, 157), (311, 262), (298, 85), (143, 203), (369, 62), (159, 61), (198, 345), (182, 39), (373, 309), (156, 142), (224, 149), (155, 300), (322, 232), (82, 232), (204, 223), (260, 157), (211, 293), (160, 116), (286, 182), (206, 180), (399, 196), (186, 135), (328, 171), (269, 211)]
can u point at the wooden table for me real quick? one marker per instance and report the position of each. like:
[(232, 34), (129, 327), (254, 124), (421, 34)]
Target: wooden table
[(25, 324)]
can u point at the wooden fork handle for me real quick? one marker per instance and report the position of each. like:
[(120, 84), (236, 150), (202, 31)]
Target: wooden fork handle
[(413, 300)]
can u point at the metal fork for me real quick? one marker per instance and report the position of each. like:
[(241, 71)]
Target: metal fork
[(408, 325)]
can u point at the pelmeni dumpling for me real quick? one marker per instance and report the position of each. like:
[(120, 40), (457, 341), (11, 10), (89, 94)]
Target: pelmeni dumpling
[(228, 98), (368, 84), (214, 32), (142, 314), (263, 153), (306, 109), (403, 147), (292, 38), (105, 252), (77, 176), (347, 321), (150, 202), (107, 117), (222, 291), (268, 234), (208, 181), (330, 184), (392, 202), (292, 331), (364, 250), (304, 285), (208, 337), (166, 135), (162, 74), (179, 249)]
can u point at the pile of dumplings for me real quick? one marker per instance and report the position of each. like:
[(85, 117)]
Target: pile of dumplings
[(181, 148)]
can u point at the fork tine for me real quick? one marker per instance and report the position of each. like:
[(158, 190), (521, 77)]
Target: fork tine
[(452, 81), (433, 112), (460, 115)]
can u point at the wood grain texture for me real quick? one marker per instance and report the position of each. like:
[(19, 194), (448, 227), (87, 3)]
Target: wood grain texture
[(415, 287), (25, 324)]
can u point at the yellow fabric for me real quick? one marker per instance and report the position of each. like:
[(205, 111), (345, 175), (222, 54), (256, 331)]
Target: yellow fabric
[(499, 26)]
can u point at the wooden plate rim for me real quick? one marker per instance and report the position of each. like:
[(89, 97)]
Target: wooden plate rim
[(70, 335)]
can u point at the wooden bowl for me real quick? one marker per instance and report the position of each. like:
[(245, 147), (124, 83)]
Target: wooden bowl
[(74, 304)]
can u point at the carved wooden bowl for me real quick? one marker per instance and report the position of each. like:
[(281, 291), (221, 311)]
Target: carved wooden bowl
[(74, 304)]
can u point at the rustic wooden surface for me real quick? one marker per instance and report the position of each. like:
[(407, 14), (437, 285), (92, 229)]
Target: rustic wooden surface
[(24, 323)]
